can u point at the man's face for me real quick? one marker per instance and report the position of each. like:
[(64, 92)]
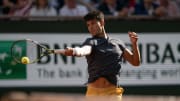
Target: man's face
[(95, 27)]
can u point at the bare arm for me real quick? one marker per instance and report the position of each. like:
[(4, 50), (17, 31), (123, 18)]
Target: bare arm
[(77, 51), (134, 56)]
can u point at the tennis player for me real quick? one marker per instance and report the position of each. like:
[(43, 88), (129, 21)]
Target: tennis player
[(104, 57)]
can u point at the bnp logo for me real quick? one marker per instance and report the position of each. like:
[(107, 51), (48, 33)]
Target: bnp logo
[(9, 69)]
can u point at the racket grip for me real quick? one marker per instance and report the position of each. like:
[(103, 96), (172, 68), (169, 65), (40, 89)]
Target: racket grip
[(52, 51), (49, 51)]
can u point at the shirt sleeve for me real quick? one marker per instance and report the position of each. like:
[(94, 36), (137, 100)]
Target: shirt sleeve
[(82, 51), (85, 48)]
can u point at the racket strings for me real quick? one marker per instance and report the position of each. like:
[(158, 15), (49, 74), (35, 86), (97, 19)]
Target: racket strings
[(24, 48), (32, 50)]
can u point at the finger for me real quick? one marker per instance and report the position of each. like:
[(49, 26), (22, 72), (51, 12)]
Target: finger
[(132, 34), (134, 37)]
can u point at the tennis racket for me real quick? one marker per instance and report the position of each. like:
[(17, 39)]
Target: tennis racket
[(30, 49)]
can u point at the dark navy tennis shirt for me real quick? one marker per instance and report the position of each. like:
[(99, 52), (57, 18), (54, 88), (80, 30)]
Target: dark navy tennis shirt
[(105, 58)]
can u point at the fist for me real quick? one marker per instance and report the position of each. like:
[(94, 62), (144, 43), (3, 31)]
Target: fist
[(69, 51), (133, 37)]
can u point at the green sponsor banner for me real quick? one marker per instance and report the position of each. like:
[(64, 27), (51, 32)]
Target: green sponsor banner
[(9, 69)]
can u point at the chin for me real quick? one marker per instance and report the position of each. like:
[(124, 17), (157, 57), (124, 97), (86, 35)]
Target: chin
[(93, 34)]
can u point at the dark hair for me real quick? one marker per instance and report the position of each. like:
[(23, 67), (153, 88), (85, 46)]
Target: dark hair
[(94, 15)]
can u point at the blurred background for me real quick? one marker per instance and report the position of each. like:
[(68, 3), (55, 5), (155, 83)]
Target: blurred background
[(59, 24)]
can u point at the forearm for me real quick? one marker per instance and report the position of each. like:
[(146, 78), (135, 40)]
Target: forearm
[(59, 51), (136, 54), (77, 51)]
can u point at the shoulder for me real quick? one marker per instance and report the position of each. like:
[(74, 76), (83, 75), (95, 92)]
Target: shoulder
[(88, 41), (118, 41)]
